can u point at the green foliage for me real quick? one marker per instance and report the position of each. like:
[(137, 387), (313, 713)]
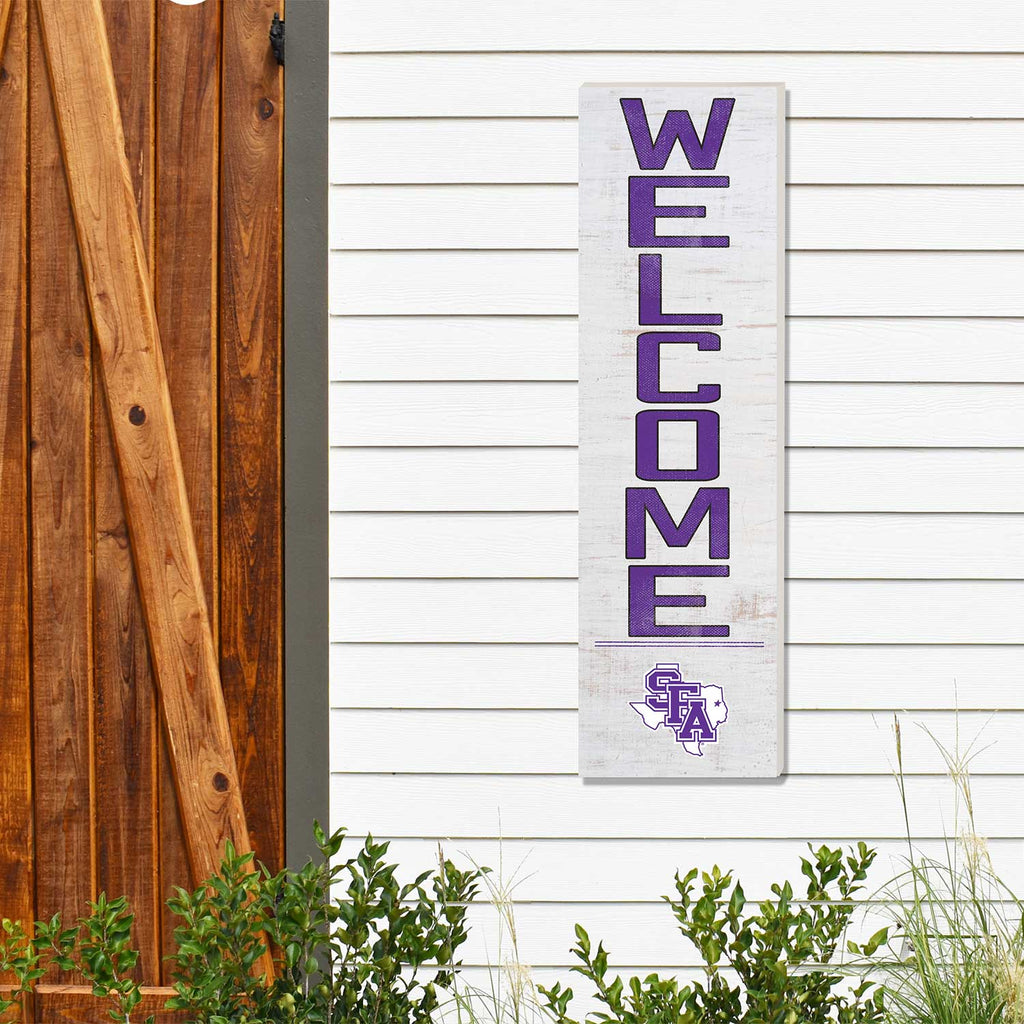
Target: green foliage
[(98, 948), (377, 952), (957, 953), (21, 957), (782, 955), (104, 956)]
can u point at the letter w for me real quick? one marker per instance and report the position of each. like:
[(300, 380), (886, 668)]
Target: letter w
[(708, 501), (702, 155)]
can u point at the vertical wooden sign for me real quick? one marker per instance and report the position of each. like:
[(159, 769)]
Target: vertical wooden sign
[(681, 430)]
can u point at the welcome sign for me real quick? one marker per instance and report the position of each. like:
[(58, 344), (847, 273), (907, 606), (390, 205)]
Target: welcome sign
[(681, 430)]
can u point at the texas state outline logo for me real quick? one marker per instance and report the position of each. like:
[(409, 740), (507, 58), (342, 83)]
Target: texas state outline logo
[(692, 710)]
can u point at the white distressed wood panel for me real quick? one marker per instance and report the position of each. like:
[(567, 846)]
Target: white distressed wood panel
[(819, 283), (609, 871), (543, 545), (544, 217), (546, 348), (543, 150), (356, 26), (544, 480), (455, 806), (544, 742), (527, 676), (546, 84), (544, 611), (837, 415)]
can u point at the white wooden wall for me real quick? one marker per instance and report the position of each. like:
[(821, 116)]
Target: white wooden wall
[(453, 490)]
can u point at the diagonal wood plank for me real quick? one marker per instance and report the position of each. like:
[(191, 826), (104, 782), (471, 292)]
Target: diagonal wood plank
[(6, 7), (138, 401)]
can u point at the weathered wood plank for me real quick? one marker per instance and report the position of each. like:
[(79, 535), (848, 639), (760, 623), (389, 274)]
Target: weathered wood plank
[(16, 838), (126, 703), (185, 289), (152, 480), (250, 413), (62, 532), (75, 1004), (6, 8)]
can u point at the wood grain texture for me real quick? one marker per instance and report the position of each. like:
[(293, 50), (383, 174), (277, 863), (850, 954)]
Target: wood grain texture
[(152, 480), (6, 11), (126, 702), (250, 413), (62, 528), (185, 290), (16, 833), (75, 1004)]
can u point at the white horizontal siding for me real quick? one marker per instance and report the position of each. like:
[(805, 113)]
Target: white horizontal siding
[(544, 217), (848, 807), (544, 611), (883, 25), (544, 283), (514, 742), (543, 150), (544, 413), (543, 545), (818, 676), (516, 479), (918, 349), (453, 425), (535, 84), (627, 871)]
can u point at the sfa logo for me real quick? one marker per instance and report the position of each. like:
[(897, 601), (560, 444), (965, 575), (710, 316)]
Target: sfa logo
[(692, 711)]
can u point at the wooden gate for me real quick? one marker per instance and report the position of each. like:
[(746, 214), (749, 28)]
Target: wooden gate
[(87, 800)]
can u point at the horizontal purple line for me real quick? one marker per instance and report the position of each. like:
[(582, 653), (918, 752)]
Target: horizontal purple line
[(679, 643), (676, 640)]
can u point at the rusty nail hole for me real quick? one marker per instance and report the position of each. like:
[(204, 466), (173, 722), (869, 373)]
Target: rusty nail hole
[(136, 415), (266, 108), (220, 782)]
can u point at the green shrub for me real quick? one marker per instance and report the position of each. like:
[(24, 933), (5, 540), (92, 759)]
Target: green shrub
[(377, 953), (781, 955), (98, 947), (349, 943)]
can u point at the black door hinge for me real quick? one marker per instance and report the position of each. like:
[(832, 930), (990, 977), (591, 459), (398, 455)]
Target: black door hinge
[(277, 38)]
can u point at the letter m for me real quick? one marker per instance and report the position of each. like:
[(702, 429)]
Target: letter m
[(712, 502), (653, 154)]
